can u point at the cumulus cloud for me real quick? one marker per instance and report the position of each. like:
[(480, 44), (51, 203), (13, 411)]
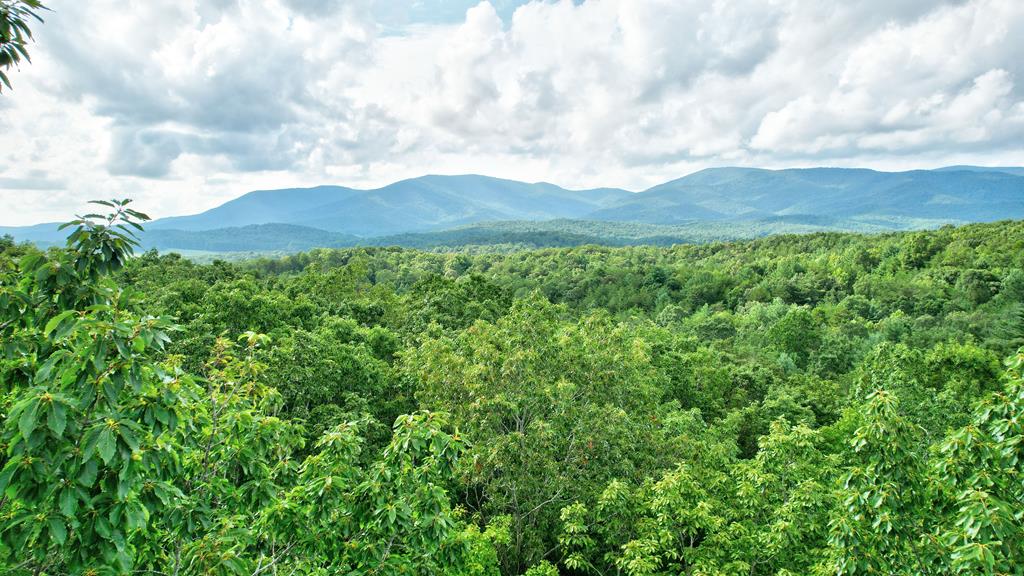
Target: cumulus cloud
[(185, 103), (944, 81)]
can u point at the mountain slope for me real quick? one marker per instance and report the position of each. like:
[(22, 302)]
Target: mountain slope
[(259, 207), (417, 204), (750, 193), (561, 233), (254, 237), (1016, 171), (45, 234), (769, 200), (435, 202), (432, 203)]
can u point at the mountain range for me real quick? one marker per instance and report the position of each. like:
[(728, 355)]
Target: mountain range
[(716, 203), (417, 204)]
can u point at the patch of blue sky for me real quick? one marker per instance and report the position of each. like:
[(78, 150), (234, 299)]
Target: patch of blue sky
[(394, 15)]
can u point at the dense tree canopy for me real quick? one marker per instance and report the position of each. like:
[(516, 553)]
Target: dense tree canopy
[(816, 404), (117, 461)]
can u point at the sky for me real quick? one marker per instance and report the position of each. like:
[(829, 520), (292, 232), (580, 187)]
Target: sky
[(184, 104)]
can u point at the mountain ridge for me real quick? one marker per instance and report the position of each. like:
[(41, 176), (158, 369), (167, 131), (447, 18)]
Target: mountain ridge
[(413, 204), (336, 215)]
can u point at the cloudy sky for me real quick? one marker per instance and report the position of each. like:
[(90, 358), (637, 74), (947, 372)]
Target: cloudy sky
[(183, 104)]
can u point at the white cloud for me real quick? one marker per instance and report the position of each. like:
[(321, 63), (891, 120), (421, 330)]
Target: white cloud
[(946, 81), (182, 104)]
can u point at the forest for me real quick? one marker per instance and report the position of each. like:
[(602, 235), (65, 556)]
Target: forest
[(829, 403)]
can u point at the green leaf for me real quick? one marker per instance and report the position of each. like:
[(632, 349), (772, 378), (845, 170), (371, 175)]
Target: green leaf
[(111, 390), (68, 502), (43, 374), (57, 419), (137, 517), (28, 420), (55, 321), (8, 472), (129, 438), (106, 444), (58, 530), (123, 486), (99, 360), (87, 477)]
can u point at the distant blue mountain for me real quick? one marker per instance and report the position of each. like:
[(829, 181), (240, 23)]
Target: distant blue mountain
[(825, 198), (964, 168), (40, 234), (417, 204), (249, 238), (751, 193), (259, 207)]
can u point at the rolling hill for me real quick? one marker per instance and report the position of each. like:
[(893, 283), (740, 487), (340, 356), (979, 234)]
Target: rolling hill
[(43, 235), (562, 232), (750, 193), (250, 238), (712, 204), (258, 207), (1017, 171), (417, 204)]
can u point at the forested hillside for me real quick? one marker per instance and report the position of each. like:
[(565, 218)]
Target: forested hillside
[(517, 235), (803, 404)]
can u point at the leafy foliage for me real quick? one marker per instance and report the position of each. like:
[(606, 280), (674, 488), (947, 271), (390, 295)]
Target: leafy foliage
[(118, 461), (820, 404), (15, 34)]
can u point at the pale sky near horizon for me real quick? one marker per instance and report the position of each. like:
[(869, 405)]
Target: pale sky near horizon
[(184, 104)]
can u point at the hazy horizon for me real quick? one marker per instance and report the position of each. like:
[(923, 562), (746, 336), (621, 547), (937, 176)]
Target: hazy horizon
[(189, 212)]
